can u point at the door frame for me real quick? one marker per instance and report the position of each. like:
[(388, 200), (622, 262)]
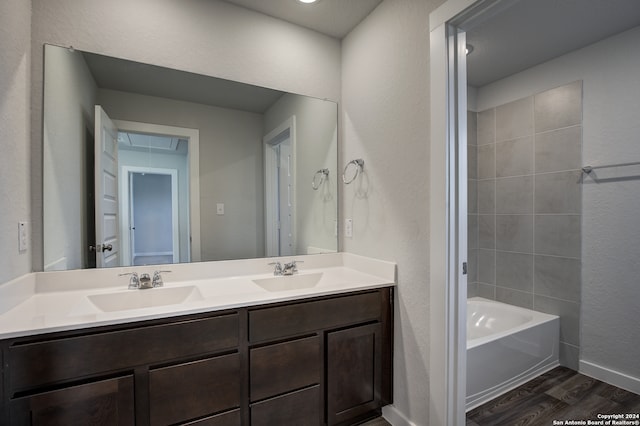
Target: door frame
[(274, 137), (448, 201), (193, 158), (126, 210)]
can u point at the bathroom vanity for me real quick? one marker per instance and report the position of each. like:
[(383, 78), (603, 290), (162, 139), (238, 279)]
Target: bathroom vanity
[(301, 356)]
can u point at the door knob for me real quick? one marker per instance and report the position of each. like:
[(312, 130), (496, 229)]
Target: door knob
[(107, 247)]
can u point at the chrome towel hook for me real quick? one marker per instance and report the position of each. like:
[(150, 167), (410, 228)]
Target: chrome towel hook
[(359, 163), (315, 182)]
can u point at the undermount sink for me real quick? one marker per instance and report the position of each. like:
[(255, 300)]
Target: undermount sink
[(289, 282), (151, 298)]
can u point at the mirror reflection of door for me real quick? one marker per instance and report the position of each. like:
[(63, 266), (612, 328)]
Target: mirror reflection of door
[(280, 198), (107, 244), (152, 222)]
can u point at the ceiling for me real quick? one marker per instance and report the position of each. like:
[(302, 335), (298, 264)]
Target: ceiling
[(335, 18), (530, 32), (128, 76)]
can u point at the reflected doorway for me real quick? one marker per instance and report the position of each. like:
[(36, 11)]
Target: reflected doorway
[(153, 216), (280, 199)]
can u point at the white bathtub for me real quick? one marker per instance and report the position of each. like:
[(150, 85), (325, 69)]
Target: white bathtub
[(506, 347)]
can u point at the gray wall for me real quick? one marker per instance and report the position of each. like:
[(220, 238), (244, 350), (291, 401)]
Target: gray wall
[(230, 167), (610, 232), (524, 228), (70, 96), (316, 211), (206, 37), (384, 120), (15, 170)]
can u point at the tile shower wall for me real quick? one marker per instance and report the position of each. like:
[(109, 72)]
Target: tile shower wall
[(525, 207)]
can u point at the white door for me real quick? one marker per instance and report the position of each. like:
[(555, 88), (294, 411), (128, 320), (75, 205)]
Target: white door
[(106, 166), (285, 187)]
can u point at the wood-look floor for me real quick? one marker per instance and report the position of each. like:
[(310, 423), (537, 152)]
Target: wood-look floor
[(561, 394)]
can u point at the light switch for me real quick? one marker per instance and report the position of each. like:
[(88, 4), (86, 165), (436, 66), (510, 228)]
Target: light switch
[(348, 228), (220, 209), (23, 236)]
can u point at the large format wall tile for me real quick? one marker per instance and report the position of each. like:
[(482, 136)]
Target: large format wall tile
[(514, 271), (558, 192), (514, 120), (558, 235), (559, 150), (487, 231), (486, 161), (486, 266), (559, 107), (486, 196), (488, 291), (528, 197), (472, 162), (558, 277), (472, 231), (486, 127), (472, 128), (569, 313), (514, 157), (514, 195), (514, 233), (514, 297)]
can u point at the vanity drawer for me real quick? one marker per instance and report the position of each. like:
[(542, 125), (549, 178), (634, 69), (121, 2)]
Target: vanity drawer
[(231, 418), (187, 391), (44, 362), (107, 402), (300, 408), (300, 318), (283, 367)]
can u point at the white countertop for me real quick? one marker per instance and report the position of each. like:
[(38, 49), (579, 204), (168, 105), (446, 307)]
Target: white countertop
[(55, 301)]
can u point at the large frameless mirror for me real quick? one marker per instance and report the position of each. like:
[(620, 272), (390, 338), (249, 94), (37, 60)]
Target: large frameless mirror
[(149, 165)]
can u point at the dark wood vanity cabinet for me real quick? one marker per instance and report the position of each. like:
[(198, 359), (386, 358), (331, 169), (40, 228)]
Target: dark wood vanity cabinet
[(321, 361), (98, 403)]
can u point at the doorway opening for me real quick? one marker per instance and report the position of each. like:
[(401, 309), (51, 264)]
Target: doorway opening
[(280, 196), (159, 193), (152, 222)]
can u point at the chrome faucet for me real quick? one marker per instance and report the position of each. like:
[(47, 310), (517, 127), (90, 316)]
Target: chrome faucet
[(144, 281), (134, 281), (157, 279), (277, 271), (291, 267)]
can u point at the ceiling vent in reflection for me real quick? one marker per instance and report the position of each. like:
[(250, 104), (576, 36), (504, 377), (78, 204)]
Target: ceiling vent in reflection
[(147, 142)]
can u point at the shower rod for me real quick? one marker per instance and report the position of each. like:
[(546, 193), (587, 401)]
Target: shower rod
[(588, 169)]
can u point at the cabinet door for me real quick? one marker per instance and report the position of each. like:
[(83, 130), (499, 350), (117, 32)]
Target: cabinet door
[(179, 393), (353, 372), (299, 408), (108, 402)]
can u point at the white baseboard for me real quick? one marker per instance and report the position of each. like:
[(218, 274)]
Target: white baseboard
[(612, 377), (395, 417)]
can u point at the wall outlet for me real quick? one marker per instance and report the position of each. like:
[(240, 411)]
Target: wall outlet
[(348, 228), (220, 209), (23, 236)]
